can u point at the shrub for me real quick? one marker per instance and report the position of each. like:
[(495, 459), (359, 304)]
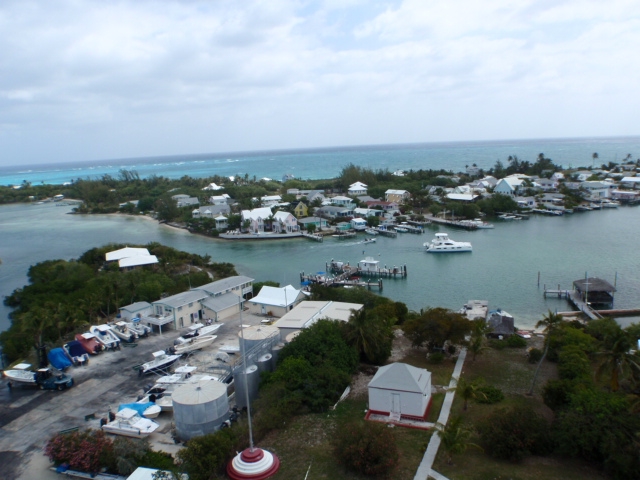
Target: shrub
[(436, 358), (512, 434), (206, 455), (366, 447), (86, 451), (488, 394), (514, 341), (535, 354), (573, 363)]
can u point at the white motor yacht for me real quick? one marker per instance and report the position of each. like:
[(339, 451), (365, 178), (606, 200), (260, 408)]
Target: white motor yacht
[(443, 244), (130, 424)]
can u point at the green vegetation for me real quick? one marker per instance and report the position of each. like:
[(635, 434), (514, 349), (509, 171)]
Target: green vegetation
[(365, 447), (64, 296), (435, 327)]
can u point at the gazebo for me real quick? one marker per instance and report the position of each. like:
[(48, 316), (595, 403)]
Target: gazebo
[(594, 291)]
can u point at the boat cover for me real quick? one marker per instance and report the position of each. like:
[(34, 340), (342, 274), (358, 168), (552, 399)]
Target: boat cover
[(138, 407), (76, 349), (59, 359)]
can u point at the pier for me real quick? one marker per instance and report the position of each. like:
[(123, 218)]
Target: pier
[(453, 223), (313, 236), (344, 235), (387, 233)]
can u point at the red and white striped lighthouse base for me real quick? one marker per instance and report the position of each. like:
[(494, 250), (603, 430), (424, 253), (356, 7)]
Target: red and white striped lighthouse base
[(256, 464)]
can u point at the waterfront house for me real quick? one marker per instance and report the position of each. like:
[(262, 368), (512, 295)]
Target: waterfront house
[(596, 190), (287, 176), (276, 301), (343, 226), (400, 390), (129, 257), (358, 223), (501, 323), (319, 223), (180, 310), (300, 210), (211, 211), (285, 222), (625, 195), (334, 212), (630, 182), (307, 313), (509, 186), (257, 218), (397, 196), (545, 184), (183, 200), (222, 222), (357, 188)]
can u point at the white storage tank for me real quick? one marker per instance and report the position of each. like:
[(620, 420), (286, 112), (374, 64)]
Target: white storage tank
[(254, 335), (199, 408), (275, 351), (253, 383), (264, 363)]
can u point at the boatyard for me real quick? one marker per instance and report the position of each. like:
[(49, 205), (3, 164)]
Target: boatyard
[(29, 416)]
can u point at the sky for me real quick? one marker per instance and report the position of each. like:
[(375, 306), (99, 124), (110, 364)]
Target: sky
[(89, 80)]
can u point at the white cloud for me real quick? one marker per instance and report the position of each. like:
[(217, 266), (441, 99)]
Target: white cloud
[(83, 79)]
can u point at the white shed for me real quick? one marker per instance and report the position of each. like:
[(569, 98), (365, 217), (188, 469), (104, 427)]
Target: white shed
[(400, 389)]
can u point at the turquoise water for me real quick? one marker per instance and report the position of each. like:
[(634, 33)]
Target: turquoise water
[(328, 162), (503, 268)]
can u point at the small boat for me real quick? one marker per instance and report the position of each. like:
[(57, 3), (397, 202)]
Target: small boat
[(152, 411), (90, 343), (610, 204), (140, 329), (193, 344), (21, 373), (198, 329), (401, 229), (160, 363), (443, 244), (371, 231), (120, 329), (76, 352), (105, 336), (477, 223), (506, 216), (129, 423), (369, 240)]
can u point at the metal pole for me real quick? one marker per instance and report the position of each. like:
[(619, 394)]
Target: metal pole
[(246, 382)]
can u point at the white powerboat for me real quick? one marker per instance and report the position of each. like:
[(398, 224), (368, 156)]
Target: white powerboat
[(369, 240), (105, 336), (160, 363), (120, 329), (477, 223), (140, 329), (371, 231), (195, 343), (443, 244), (21, 373), (130, 424), (610, 204), (198, 329)]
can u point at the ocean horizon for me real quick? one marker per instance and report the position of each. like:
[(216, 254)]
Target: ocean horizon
[(327, 162)]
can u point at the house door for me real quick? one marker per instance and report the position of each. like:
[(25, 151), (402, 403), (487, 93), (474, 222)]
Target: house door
[(395, 403)]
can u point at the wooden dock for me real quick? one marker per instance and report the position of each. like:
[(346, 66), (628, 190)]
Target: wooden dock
[(313, 236), (344, 235), (573, 298)]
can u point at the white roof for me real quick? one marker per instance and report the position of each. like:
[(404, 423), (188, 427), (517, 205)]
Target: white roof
[(136, 261), (126, 252), (282, 216), (269, 198), (213, 186), (256, 213), (630, 179), (396, 192), (341, 198), (278, 297), (144, 473), (466, 197), (401, 377), (357, 186), (358, 220), (308, 312)]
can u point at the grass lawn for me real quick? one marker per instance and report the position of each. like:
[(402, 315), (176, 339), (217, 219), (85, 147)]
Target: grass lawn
[(509, 370)]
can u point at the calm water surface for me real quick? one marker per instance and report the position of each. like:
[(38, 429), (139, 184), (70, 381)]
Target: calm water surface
[(502, 269)]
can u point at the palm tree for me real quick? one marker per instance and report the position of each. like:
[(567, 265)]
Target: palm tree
[(468, 390), (594, 157), (617, 358), (454, 437), (550, 322), (366, 333), (478, 335)]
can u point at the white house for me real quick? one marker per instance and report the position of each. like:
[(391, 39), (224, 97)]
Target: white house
[(597, 189), (399, 390), (270, 200), (367, 212), (213, 186), (285, 222), (137, 309), (358, 223), (357, 188), (219, 199), (508, 186), (398, 196), (342, 201), (257, 218), (130, 257), (276, 301), (630, 182)]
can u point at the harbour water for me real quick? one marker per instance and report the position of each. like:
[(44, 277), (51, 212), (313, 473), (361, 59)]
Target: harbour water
[(503, 267)]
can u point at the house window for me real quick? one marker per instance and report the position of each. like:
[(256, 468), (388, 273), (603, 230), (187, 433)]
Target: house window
[(179, 309), (191, 305)]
